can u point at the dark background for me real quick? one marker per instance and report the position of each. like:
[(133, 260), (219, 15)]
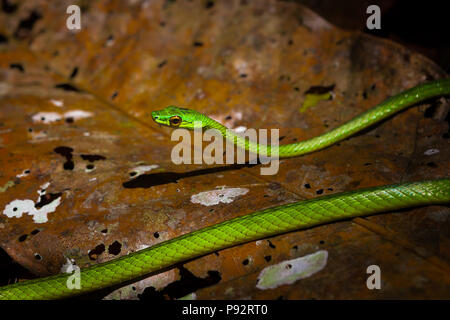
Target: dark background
[(423, 26)]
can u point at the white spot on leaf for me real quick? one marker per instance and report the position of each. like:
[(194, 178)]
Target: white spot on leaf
[(142, 169), (17, 208), (46, 117), (77, 114), (57, 103), (240, 129), (213, 197), (289, 271), (430, 152), (49, 117), (23, 174)]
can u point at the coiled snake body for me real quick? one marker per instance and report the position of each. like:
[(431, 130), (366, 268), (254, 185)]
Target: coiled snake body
[(263, 223)]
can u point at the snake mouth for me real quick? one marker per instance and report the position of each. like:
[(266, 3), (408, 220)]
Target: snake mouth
[(157, 118), (154, 115)]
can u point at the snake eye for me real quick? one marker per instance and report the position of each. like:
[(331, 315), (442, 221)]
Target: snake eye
[(175, 121)]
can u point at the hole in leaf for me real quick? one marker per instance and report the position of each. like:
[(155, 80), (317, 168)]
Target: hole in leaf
[(17, 66), (92, 157), (162, 64), (67, 87), (430, 111), (74, 73), (25, 26), (319, 89), (47, 198), (115, 248), (98, 250), (432, 165), (3, 39), (67, 153), (8, 7)]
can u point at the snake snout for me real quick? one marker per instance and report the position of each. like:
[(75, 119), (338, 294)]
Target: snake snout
[(154, 116)]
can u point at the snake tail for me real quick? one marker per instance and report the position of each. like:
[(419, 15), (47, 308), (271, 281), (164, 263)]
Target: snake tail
[(258, 225)]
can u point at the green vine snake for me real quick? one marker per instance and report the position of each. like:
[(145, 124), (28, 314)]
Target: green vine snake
[(263, 223)]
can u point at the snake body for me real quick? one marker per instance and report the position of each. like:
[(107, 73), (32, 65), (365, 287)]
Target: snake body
[(176, 117), (263, 223)]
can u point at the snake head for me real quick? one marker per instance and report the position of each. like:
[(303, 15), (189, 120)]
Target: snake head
[(176, 117)]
